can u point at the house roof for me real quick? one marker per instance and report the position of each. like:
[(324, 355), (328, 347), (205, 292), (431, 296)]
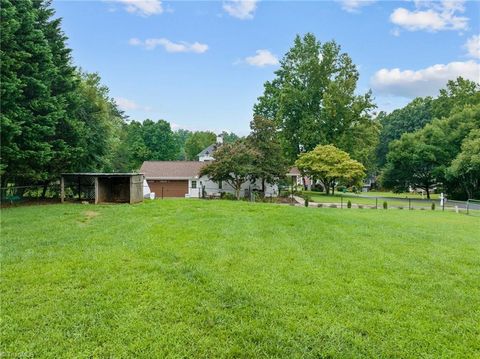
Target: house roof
[(208, 151), (294, 171), (101, 174), (171, 169)]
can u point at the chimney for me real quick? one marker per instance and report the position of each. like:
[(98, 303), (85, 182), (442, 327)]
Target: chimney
[(219, 139)]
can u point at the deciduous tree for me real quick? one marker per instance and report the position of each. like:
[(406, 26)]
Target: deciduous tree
[(330, 166), (233, 164), (198, 141), (270, 164), (466, 166), (312, 98)]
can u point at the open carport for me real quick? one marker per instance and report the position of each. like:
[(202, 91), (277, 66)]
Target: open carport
[(102, 187)]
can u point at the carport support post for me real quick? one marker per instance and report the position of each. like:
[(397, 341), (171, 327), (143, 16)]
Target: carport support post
[(96, 190), (79, 192), (62, 189)]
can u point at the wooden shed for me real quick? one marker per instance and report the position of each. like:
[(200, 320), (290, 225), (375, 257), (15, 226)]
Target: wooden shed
[(102, 187)]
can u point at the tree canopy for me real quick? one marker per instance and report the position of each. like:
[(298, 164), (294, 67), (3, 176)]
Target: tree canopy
[(330, 166), (198, 141), (269, 164), (312, 100), (421, 159), (233, 164)]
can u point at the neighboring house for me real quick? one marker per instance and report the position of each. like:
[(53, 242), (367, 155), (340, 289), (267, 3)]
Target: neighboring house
[(182, 178), (297, 179), (207, 153)]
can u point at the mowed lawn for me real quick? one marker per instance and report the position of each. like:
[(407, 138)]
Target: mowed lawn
[(224, 279)]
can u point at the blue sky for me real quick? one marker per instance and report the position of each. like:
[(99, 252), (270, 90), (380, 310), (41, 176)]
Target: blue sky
[(201, 65)]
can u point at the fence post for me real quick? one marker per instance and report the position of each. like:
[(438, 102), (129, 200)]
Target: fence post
[(162, 192), (376, 202), (468, 203), (62, 189), (341, 201), (409, 204)]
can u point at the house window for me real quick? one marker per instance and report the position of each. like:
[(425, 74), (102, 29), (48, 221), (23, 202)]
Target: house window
[(220, 185), (194, 184)]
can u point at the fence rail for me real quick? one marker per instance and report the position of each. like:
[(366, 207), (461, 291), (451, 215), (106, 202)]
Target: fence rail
[(13, 194), (341, 200)]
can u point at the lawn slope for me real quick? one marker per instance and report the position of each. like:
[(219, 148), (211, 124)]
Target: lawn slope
[(192, 278)]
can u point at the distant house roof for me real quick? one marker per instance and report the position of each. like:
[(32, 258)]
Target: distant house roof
[(208, 151), (101, 174), (294, 171), (171, 169)]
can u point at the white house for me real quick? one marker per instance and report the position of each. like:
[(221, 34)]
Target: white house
[(182, 178)]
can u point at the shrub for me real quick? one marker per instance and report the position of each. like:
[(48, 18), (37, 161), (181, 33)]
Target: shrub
[(400, 207), (228, 196), (433, 206), (349, 204), (385, 205), (320, 205), (360, 206), (307, 200), (333, 206)]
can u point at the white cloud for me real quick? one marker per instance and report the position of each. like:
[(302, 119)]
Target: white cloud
[(170, 46), (355, 5), (241, 9), (424, 82), (126, 104), (262, 58), (473, 46), (143, 7), (431, 16)]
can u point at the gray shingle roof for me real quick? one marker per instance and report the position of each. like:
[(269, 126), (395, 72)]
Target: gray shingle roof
[(208, 151)]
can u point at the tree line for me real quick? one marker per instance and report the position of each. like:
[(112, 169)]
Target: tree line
[(434, 142), (56, 118)]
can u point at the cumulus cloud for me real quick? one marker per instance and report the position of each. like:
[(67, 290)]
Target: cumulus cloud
[(170, 46), (473, 46), (431, 16), (355, 5), (262, 58), (126, 104), (142, 7), (241, 9), (424, 82)]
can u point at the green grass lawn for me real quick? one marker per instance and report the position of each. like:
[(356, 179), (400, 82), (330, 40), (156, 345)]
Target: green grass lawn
[(214, 279)]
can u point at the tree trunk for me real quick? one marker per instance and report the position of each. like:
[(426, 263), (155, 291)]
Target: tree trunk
[(44, 191), (237, 193), (263, 185)]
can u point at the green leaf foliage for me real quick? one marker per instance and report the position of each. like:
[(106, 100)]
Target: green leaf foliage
[(196, 142), (234, 164), (330, 166), (312, 100)]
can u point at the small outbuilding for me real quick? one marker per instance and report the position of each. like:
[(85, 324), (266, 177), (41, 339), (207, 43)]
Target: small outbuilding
[(102, 187)]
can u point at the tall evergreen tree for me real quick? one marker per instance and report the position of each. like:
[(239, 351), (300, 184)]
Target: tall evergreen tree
[(29, 110)]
